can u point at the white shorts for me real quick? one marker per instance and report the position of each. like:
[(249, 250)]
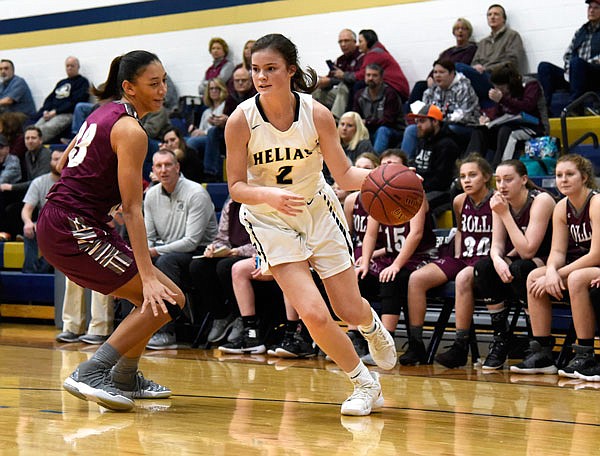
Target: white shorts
[(319, 234)]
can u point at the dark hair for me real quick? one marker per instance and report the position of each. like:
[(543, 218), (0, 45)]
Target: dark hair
[(495, 5), (125, 67), (376, 67), (481, 163), (508, 74), (12, 124), (370, 37), (179, 134), (395, 153), (584, 166), (10, 62), (33, 128), (448, 64), (302, 81), (521, 170)]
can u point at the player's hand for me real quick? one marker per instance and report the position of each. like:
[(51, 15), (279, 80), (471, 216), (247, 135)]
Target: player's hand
[(538, 287), (595, 283), (361, 270), (285, 201), (503, 270), (155, 293), (554, 284), (389, 273), (498, 203)]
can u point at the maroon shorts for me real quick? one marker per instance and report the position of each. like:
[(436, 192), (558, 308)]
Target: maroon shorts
[(451, 266), (91, 254)]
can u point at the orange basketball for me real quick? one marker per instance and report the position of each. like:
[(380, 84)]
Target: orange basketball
[(392, 194)]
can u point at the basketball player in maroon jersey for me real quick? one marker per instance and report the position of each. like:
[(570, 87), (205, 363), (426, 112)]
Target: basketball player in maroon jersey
[(104, 170), (575, 249), (471, 242), (521, 238)]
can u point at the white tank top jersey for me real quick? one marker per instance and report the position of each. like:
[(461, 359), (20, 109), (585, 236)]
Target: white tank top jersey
[(288, 159)]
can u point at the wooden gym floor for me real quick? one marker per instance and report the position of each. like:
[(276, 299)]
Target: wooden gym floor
[(255, 405)]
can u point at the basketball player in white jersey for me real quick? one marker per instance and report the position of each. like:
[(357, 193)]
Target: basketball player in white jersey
[(276, 142)]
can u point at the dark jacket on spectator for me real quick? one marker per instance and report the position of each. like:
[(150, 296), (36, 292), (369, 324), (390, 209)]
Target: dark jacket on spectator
[(66, 94), (386, 109), (435, 160)]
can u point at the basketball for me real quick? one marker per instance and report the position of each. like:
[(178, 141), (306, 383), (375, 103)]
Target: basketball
[(392, 194)]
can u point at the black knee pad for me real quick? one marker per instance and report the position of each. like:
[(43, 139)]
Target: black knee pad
[(173, 309), (520, 269), (487, 285)]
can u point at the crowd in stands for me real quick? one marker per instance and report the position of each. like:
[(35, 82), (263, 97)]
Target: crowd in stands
[(514, 236)]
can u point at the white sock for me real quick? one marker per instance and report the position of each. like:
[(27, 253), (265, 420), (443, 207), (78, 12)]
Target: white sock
[(360, 374), (368, 329)]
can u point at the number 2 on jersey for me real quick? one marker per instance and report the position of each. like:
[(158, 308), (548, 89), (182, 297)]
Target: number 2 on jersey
[(282, 176)]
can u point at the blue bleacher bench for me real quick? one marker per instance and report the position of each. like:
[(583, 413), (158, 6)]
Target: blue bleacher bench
[(20, 287)]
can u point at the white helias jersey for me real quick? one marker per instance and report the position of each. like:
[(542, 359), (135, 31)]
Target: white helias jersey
[(288, 159)]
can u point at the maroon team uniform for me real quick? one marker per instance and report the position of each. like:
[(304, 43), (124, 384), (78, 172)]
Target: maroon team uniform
[(476, 237), (580, 230), (72, 229)]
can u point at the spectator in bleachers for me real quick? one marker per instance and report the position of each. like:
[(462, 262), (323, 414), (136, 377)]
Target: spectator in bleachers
[(102, 314), (180, 222), (37, 162), (354, 138), (15, 95), (10, 167), (502, 46), (215, 139), (246, 62), (356, 217), (470, 243), (34, 200), (376, 53), (380, 107), (221, 67), (409, 247), (462, 52), (190, 162), (354, 135), (510, 95), (214, 99), (334, 89), (210, 275), (436, 155), (11, 126), (453, 94), (56, 114), (575, 247), (581, 61), (521, 238)]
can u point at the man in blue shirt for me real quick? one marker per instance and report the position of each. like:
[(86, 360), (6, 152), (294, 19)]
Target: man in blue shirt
[(15, 95)]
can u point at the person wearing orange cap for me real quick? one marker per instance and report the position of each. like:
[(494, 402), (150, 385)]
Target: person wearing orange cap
[(436, 154)]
